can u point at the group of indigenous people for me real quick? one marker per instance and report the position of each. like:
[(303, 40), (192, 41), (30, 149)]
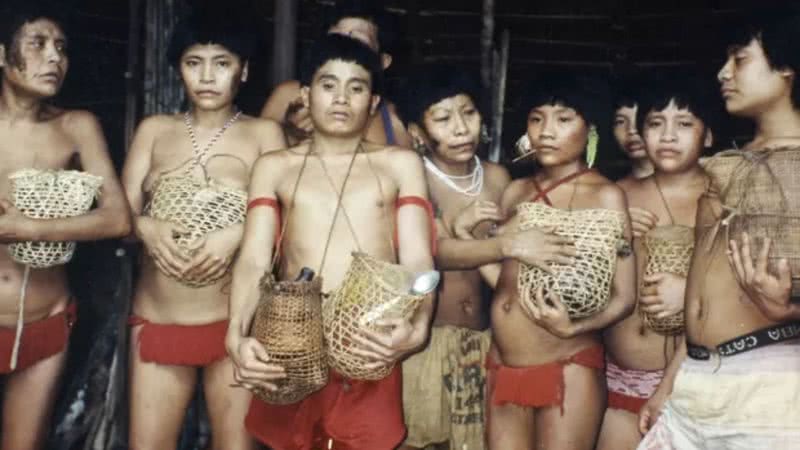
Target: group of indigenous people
[(569, 311)]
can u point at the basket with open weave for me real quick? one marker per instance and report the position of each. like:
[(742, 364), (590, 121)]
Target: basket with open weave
[(669, 250), (201, 206), (50, 194), (585, 286), (288, 322), (372, 290), (760, 195)]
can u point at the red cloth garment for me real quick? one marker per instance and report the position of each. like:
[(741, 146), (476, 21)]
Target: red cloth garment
[(629, 389), (428, 207), (40, 340), (355, 415), (181, 345), (538, 386), (625, 402)]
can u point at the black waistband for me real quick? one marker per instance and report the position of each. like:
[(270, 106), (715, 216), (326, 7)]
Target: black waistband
[(747, 342)]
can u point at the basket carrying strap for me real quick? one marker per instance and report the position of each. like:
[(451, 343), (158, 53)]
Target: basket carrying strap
[(20, 318), (282, 230), (542, 193)]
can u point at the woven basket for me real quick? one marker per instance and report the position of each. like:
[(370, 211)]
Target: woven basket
[(50, 194), (371, 290), (288, 322), (669, 250), (199, 206), (585, 286), (760, 193)]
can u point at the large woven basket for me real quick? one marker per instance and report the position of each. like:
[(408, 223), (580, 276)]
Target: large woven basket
[(50, 194), (760, 193), (288, 321), (200, 206), (585, 286), (669, 250), (371, 290)]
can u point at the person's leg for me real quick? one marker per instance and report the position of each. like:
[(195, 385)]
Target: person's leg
[(620, 431), (28, 403), (159, 396), (511, 427), (575, 428), (227, 408)]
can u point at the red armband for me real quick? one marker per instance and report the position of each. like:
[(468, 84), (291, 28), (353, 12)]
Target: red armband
[(428, 207), (270, 203)]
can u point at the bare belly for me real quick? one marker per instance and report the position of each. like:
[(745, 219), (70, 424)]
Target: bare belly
[(46, 294), (461, 301), (722, 311), (161, 299), (518, 339), (631, 345)]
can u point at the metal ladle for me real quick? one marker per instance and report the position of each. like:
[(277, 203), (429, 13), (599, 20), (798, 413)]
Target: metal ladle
[(425, 282)]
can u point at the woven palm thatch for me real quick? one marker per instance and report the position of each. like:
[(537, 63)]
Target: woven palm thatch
[(288, 321), (585, 286), (200, 206), (372, 290), (669, 250), (760, 195), (50, 194)]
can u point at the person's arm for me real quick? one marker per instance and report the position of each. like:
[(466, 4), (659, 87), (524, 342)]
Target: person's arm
[(252, 365), (285, 107), (279, 99), (651, 410), (414, 237), (553, 315), (108, 220)]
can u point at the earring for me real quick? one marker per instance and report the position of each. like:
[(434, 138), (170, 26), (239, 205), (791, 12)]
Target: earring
[(591, 146), (523, 145), (420, 147), (485, 139)]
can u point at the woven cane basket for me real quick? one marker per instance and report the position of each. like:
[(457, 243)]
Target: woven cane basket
[(199, 206), (760, 193), (50, 194), (288, 322), (585, 286), (669, 250), (371, 290)]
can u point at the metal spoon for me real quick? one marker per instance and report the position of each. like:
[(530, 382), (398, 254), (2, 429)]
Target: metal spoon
[(425, 282)]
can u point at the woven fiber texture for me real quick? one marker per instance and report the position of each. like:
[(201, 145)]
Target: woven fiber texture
[(288, 322), (200, 206), (50, 194), (371, 290), (585, 286), (760, 193), (668, 250)]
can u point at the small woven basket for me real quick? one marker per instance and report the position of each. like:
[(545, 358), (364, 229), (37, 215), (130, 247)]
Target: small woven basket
[(288, 322), (199, 206), (372, 290), (50, 194), (669, 250), (585, 286)]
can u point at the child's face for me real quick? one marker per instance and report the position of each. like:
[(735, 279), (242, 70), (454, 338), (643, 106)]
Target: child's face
[(211, 75), (558, 134), (748, 84), (37, 63), (674, 138), (454, 126), (340, 98), (627, 135)]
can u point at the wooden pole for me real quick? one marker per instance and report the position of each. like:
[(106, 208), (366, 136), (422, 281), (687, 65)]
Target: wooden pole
[(499, 97), (132, 73), (284, 42), (487, 40), (163, 92)]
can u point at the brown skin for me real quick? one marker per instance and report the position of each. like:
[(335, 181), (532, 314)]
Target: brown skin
[(675, 139), (285, 104), (340, 101), (728, 294), (36, 135), (558, 134), (160, 393)]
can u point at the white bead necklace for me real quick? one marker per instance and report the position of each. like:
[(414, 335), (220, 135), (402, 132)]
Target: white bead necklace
[(476, 178)]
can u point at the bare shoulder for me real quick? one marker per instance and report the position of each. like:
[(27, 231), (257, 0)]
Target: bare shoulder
[(605, 193), (262, 126), (515, 192), (627, 183), (158, 123), (78, 121), (288, 90), (397, 158), (495, 172)]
